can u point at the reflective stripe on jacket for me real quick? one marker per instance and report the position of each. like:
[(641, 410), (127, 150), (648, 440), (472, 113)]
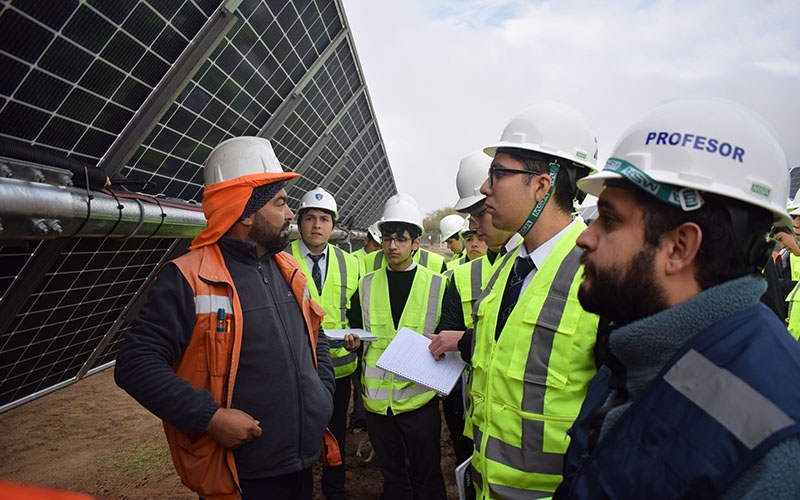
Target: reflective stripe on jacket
[(339, 285), (527, 387), (382, 389)]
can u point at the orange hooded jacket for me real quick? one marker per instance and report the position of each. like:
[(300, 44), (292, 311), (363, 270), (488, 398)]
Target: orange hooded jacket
[(210, 361)]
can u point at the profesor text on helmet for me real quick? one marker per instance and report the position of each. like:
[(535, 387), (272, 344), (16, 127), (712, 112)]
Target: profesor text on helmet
[(700, 142)]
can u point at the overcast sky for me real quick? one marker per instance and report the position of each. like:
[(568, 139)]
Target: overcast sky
[(446, 76)]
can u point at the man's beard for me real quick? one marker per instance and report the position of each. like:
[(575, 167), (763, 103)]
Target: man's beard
[(623, 293), (267, 236)]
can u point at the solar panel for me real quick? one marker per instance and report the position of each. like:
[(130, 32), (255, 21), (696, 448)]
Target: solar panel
[(142, 91), (794, 185)]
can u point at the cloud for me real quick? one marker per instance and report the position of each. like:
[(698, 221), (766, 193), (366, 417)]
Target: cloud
[(445, 77)]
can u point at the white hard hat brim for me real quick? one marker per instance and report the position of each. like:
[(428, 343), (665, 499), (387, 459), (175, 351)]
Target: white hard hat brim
[(464, 203), (492, 151)]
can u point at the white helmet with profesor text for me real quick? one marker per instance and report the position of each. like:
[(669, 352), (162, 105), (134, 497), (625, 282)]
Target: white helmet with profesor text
[(242, 156), (401, 208), (450, 226), (551, 128), (319, 198), (472, 171), (688, 147)]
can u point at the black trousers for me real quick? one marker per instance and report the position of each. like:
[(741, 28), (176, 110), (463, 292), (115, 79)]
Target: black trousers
[(295, 486), (333, 478), (357, 415), (409, 452), (454, 415)]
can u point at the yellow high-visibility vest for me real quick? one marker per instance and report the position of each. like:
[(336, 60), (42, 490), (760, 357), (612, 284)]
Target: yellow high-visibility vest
[(471, 278), (341, 282), (527, 387), (794, 311), (382, 389)]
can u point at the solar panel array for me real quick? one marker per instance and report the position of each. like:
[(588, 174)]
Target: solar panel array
[(143, 90)]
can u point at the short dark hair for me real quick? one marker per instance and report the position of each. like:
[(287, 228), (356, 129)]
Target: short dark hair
[(566, 188), (390, 228), (734, 233)]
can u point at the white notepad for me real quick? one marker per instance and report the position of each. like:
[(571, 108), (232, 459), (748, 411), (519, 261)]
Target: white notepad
[(364, 335), (409, 357)]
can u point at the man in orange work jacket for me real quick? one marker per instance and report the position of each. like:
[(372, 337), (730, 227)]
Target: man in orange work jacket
[(229, 343)]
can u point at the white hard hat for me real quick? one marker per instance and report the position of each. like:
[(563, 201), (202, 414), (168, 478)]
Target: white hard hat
[(374, 231), (793, 206), (319, 198), (687, 147), (465, 228), (401, 208), (552, 128), (472, 171), (241, 156), (450, 225)]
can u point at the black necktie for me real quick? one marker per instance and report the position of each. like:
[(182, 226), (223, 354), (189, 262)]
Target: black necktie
[(316, 272), (522, 267)]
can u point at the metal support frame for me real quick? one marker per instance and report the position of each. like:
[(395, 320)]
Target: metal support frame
[(291, 102)]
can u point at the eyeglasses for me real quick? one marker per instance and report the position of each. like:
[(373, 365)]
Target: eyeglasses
[(477, 215), (397, 241), (494, 171)]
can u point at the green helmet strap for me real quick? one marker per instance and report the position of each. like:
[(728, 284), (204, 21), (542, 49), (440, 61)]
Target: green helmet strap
[(686, 198), (537, 209)]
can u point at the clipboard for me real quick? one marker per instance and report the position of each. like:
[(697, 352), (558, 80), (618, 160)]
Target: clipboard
[(409, 357)]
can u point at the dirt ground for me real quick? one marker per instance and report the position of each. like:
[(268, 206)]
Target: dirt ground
[(94, 438)]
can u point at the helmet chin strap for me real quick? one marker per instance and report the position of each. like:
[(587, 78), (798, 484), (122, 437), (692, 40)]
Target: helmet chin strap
[(537, 209)]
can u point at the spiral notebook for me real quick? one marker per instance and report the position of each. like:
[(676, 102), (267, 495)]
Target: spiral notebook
[(408, 356)]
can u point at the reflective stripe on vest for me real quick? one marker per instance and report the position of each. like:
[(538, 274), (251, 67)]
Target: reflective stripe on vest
[(377, 260), (342, 361), (505, 492), (423, 258), (343, 277), (205, 304)]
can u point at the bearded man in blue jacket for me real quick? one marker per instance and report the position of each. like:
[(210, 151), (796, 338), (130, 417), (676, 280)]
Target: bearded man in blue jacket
[(698, 396)]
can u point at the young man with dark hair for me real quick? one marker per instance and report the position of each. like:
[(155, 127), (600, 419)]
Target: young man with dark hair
[(333, 283), (533, 345), (698, 396), (403, 419)]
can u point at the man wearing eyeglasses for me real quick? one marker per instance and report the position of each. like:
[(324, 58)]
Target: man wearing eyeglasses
[(532, 351), (403, 419)]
